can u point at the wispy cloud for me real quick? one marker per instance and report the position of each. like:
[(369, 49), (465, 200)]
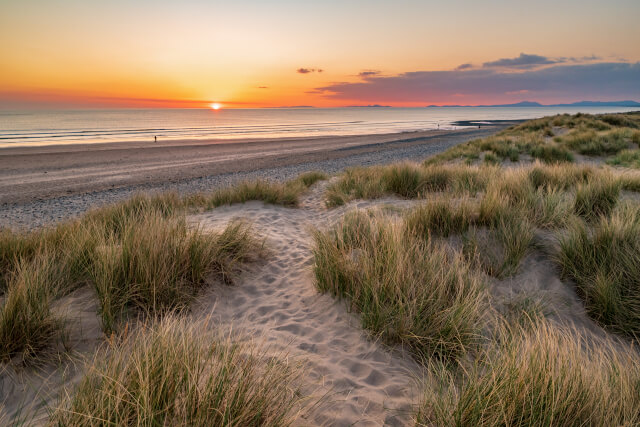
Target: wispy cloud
[(464, 66), (309, 70), (368, 73), (553, 82)]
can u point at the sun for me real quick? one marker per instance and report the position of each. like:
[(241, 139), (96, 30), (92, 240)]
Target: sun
[(216, 106)]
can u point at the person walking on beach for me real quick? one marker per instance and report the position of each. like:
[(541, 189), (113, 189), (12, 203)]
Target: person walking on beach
[(155, 138)]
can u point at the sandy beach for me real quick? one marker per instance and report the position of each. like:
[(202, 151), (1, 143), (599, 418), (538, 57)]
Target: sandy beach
[(39, 185)]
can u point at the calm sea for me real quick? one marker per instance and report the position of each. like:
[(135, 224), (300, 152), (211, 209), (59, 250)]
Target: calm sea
[(95, 126)]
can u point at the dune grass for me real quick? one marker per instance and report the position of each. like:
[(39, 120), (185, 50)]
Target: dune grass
[(597, 197), (540, 375), (28, 327), (499, 249), (627, 158), (592, 135), (285, 194), (441, 216), (156, 264), (406, 289), (605, 265), (551, 153), (408, 180), (175, 372), (598, 144), (565, 176), (139, 254)]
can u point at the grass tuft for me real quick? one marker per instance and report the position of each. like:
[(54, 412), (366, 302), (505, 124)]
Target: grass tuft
[(441, 216), (177, 373), (540, 375), (605, 265), (597, 197), (28, 327), (551, 153), (407, 290), (157, 264)]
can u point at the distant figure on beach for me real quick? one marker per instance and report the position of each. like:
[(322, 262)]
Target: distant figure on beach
[(438, 126), (478, 126), (155, 138)]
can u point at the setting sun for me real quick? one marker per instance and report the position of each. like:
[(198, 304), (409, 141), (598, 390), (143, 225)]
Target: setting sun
[(216, 106)]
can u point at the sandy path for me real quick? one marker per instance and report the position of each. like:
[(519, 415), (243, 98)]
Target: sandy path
[(364, 382)]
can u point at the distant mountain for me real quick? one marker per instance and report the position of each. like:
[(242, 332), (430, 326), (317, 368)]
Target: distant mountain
[(574, 104), (369, 106), (601, 104)]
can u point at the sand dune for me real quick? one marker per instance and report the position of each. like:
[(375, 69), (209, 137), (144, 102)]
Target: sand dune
[(361, 382)]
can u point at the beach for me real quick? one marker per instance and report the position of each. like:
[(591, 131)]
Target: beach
[(40, 185), (321, 295)]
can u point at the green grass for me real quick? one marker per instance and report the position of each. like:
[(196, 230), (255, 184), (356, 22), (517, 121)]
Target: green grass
[(157, 264), (174, 372), (550, 207), (597, 197), (29, 330), (285, 194), (139, 254), (441, 216), (598, 144), (499, 249), (598, 135), (628, 158), (604, 263), (491, 159), (630, 181), (408, 180), (552, 153), (563, 176), (539, 375), (406, 290)]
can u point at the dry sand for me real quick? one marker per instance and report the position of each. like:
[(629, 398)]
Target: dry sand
[(350, 378), (364, 382)]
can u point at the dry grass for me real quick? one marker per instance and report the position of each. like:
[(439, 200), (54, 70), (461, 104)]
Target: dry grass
[(441, 216), (407, 290), (627, 158), (29, 330), (605, 265), (408, 180), (178, 373), (540, 375), (551, 153), (597, 197), (600, 135), (157, 264), (140, 255)]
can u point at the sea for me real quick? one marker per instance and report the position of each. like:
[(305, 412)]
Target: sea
[(37, 128)]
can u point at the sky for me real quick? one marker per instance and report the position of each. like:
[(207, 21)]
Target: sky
[(276, 53)]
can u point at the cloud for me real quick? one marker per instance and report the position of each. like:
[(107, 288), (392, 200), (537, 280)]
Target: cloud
[(464, 66), (518, 92), (368, 73), (309, 70), (522, 61), (263, 87), (559, 82)]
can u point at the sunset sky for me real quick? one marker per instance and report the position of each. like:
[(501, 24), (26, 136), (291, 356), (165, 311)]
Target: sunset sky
[(250, 53)]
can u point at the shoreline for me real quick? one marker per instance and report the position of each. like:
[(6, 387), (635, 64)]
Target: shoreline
[(44, 185)]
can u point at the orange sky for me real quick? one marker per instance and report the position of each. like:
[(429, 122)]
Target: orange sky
[(245, 53)]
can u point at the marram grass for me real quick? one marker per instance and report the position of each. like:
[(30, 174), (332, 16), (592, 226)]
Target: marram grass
[(180, 373), (539, 374), (406, 289)]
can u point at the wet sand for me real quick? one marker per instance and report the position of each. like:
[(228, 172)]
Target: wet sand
[(40, 185)]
